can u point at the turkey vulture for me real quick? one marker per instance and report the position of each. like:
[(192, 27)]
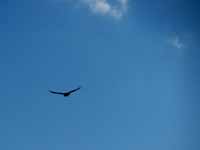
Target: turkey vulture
[(65, 93)]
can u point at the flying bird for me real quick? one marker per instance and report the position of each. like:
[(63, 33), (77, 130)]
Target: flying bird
[(65, 93)]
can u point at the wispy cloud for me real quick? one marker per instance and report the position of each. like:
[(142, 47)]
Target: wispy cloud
[(176, 42), (105, 8)]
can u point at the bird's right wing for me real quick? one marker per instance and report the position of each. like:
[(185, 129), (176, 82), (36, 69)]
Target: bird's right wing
[(74, 90), (55, 92)]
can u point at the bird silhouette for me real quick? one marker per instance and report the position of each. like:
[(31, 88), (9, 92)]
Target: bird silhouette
[(65, 93)]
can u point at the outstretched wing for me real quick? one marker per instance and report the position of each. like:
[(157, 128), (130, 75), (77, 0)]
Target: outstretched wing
[(74, 90), (56, 92)]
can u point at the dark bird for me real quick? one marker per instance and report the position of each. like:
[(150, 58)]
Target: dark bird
[(65, 93)]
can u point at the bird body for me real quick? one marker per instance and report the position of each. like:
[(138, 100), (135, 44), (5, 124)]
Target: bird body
[(65, 93)]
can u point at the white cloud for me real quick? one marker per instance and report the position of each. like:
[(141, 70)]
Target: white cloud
[(176, 42), (103, 7)]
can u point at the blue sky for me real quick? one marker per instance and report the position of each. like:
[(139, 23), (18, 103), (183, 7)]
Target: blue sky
[(137, 61)]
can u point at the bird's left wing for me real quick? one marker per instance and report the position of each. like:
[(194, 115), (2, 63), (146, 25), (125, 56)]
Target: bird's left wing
[(55, 92)]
